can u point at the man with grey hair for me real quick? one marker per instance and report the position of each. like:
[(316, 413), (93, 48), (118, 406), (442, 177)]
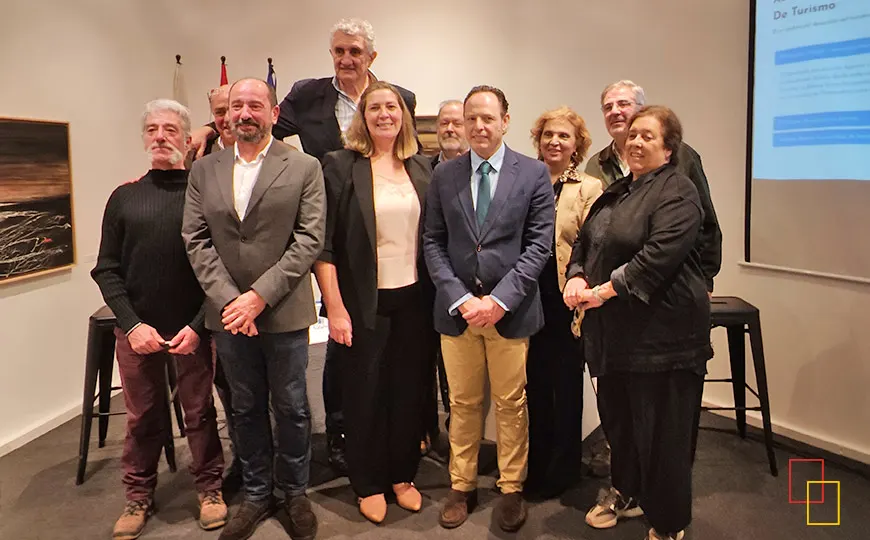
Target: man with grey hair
[(620, 101), (450, 128), (146, 280)]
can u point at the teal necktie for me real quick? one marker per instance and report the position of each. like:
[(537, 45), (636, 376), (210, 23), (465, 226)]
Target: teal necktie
[(484, 196)]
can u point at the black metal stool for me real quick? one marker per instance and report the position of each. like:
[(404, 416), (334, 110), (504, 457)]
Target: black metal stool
[(99, 364), (740, 318)]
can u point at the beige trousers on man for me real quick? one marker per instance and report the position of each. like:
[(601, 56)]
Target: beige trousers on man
[(467, 360)]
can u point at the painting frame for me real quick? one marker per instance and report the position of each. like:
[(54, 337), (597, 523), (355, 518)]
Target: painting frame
[(37, 209), (427, 134)]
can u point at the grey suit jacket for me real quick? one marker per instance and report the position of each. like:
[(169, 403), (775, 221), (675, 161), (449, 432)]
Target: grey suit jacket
[(271, 251)]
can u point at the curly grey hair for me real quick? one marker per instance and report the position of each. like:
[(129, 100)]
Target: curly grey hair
[(356, 27)]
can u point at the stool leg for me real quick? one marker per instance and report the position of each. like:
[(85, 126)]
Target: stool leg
[(763, 396), (737, 354), (169, 447), (92, 367), (172, 377), (107, 364)]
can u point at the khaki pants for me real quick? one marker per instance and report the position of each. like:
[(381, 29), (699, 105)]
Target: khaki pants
[(467, 359)]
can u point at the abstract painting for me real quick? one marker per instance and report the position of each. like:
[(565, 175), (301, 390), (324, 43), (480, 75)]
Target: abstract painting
[(36, 221)]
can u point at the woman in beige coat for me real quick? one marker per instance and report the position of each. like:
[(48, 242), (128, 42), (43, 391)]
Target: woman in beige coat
[(555, 363)]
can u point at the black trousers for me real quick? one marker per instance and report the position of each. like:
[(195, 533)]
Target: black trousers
[(649, 419), (383, 397), (554, 390)]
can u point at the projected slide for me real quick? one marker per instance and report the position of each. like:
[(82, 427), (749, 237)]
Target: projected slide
[(811, 114)]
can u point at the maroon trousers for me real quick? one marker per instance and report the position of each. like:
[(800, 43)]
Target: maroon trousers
[(143, 379)]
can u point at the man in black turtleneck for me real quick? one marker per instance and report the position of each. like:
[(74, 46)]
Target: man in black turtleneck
[(146, 279)]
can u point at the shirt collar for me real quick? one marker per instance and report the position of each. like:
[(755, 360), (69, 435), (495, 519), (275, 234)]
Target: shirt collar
[(495, 160), (259, 157), (371, 76)]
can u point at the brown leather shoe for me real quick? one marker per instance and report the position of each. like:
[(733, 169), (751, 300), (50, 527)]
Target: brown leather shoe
[(511, 512), (457, 506)]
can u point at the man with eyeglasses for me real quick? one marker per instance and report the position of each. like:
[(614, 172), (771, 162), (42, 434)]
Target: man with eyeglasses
[(620, 101)]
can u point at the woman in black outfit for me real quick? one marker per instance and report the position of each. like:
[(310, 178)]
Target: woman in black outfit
[(636, 273), (378, 298)]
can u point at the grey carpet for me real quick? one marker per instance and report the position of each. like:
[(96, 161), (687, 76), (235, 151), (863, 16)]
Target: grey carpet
[(735, 495)]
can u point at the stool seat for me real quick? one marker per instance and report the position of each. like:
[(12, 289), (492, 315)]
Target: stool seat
[(739, 318), (99, 364)]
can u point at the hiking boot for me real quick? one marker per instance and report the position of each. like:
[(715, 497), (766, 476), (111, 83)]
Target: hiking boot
[(212, 510), (132, 521)]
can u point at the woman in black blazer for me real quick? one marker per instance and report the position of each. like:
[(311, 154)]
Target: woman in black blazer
[(636, 272), (379, 302)]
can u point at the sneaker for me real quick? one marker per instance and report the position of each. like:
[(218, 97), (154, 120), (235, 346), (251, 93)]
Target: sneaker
[(212, 510), (132, 521), (610, 507), (245, 521), (303, 522), (653, 535)]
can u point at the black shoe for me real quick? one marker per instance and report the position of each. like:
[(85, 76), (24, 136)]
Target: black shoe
[(247, 517), (303, 522), (337, 459)]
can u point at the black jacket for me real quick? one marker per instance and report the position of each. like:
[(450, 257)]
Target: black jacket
[(351, 237), (309, 111), (660, 320), (605, 166)]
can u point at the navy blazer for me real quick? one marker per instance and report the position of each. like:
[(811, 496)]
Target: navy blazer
[(309, 111), (503, 257)]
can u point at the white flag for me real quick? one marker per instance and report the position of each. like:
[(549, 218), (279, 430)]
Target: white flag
[(179, 91)]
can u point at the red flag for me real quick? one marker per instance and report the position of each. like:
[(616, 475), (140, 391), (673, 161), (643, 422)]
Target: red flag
[(224, 70)]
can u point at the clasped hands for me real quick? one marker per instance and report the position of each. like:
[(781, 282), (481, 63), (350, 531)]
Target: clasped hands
[(481, 312), (577, 294), (239, 315)]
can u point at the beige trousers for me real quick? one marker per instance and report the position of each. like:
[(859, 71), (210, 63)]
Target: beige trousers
[(468, 359)]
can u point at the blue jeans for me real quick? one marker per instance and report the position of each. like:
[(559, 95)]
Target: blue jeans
[(257, 368)]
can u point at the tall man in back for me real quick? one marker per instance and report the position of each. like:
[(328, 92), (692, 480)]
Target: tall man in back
[(489, 229), (253, 225)]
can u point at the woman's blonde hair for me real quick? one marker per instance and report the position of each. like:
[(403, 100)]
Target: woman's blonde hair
[(584, 141), (358, 137)]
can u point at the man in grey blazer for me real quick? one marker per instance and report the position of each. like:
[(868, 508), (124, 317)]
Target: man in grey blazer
[(489, 231), (253, 225)]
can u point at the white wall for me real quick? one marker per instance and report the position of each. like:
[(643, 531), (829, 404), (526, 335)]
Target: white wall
[(95, 63)]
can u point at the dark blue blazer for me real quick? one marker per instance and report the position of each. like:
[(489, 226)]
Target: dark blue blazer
[(503, 257)]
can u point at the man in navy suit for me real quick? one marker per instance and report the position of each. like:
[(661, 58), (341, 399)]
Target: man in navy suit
[(489, 231)]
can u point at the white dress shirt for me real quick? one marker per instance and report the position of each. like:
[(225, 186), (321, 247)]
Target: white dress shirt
[(245, 174)]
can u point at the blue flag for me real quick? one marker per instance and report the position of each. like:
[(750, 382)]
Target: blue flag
[(271, 78)]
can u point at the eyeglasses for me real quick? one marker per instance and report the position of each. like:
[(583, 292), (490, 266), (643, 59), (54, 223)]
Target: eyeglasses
[(622, 104)]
